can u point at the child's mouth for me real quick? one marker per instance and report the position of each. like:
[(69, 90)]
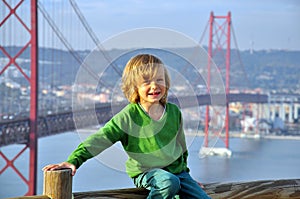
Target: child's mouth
[(154, 93)]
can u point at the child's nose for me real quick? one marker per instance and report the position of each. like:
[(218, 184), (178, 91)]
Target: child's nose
[(154, 84)]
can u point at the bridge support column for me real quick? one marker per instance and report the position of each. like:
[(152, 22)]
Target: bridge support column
[(272, 111), (33, 101), (282, 112), (219, 37), (296, 107), (31, 142), (291, 107)]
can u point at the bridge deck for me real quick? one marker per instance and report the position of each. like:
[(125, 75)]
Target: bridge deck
[(17, 131)]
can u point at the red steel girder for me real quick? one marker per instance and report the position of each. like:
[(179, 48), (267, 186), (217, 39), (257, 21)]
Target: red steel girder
[(10, 163), (33, 116), (217, 31), (33, 80)]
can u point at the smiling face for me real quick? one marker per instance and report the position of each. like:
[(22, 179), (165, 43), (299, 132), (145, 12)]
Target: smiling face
[(145, 79), (152, 89)]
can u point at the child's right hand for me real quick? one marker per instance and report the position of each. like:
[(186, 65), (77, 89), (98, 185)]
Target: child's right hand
[(63, 165)]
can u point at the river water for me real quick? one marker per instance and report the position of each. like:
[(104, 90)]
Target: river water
[(252, 159)]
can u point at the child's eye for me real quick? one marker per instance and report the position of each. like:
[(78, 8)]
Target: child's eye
[(145, 82)]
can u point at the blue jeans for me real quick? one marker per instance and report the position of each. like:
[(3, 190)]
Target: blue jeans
[(163, 184)]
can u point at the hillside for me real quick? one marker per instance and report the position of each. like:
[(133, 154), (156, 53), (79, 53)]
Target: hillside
[(274, 70)]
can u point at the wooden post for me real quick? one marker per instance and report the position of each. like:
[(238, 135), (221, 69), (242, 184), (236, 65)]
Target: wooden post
[(58, 184)]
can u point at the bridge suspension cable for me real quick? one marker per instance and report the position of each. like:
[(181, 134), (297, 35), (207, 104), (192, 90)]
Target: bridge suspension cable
[(66, 43), (93, 36), (239, 56)]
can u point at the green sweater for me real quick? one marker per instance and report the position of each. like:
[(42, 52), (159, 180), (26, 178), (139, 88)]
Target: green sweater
[(148, 143)]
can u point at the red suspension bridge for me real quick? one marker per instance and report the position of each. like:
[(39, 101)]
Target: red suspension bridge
[(42, 76)]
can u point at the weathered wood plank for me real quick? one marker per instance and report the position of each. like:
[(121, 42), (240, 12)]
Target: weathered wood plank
[(130, 193), (31, 197), (266, 189)]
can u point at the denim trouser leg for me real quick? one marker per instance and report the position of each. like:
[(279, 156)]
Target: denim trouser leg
[(163, 184), (190, 188)]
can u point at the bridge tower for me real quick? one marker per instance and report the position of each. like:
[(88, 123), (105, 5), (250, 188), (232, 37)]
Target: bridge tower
[(10, 19), (219, 47)]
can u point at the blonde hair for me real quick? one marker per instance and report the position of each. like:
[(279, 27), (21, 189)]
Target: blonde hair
[(142, 66)]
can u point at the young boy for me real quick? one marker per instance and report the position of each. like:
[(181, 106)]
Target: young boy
[(151, 132)]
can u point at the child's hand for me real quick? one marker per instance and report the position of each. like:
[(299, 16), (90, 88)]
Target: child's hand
[(63, 165)]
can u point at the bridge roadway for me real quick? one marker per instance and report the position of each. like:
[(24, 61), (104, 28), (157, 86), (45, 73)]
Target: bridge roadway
[(17, 131)]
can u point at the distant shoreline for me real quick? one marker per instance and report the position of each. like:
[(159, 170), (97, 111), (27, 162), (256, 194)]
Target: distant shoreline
[(251, 136)]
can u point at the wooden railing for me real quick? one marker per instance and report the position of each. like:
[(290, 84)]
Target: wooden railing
[(58, 185)]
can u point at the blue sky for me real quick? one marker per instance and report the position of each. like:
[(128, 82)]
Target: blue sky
[(264, 24)]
